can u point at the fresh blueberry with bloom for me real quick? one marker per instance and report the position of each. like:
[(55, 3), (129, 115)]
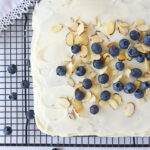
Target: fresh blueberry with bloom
[(105, 95), (144, 85), (118, 86), (114, 51), (61, 70), (80, 71), (79, 95), (136, 73), (124, 43), (98, 64), (96, 48), (139, 94), (140, 58), (103, 78), (129, 88), (133, 52), (146, 40), (87, 83), (134, 35), (7, 130), (75, 49), (94, 109), (148, 56), (120, 66)]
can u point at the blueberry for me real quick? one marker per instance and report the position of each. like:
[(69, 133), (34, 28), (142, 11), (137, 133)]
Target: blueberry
[(114, 51), (30, 114), (119, 66), (118, 86), (134, 35), (105, 95), (79, 95), (148, 56), (96, 48), (87, 83), (25, 84), (80, 71), (75, 49), (139, 94), (124, 43), (133, 52), (140, 58), (61, 70), (12, 69), (129, 88), (7, 130), (28, 63), (103, 78), (94, 109), (98, 64), (13, 96), (135, 72), (146, 40), (144, 85)]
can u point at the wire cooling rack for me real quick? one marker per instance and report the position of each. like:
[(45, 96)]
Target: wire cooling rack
[(15, 49)]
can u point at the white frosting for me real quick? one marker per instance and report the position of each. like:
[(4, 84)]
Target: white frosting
[(47, 52)]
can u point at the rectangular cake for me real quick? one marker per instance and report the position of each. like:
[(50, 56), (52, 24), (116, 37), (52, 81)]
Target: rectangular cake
[(90, 62)]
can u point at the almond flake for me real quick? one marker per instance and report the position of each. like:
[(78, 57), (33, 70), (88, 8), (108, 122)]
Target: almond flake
[(96, 39), (118, 78), (69, 67), (96, 89), (57, 28), (71, 82), (82, 39), (70, 39), (148, 92), (143, 28), (80, 29), (76, 63), (141, 101), (138, 22), (77, 106), (145, 77), (127, 57), (113, 104), (137, 84), (106, 85), (67, 59), (129, 109), (123, 27), (117, 98), (95, 57), (122, 57), (110, 28), (103, 103), (127, 72), (73, 26), (103, 70), (107, 58), (63, 102), (87, 97), (142, 48), (84, 51), (147, 65)]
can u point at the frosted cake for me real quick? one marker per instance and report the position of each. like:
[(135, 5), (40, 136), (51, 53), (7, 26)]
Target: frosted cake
[(90, 62)]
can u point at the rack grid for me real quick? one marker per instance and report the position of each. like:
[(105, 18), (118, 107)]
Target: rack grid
[(15, 49)]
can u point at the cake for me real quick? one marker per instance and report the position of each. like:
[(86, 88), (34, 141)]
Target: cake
[(90, 63)]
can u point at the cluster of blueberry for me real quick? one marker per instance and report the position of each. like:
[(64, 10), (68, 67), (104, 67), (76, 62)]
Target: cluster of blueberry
[(128, 88), (12, 69)]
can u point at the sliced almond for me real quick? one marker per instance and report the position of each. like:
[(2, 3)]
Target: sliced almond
[(117, 97), (84, 51), (57, 28), (87, 97), (127, 57), (71, 82), (145, 77), (110, 28), (123, 27), (96, 39), (147, 65), (138, 22), (82, 39), (76, 63), (129, 109), (69, 67), (77, 106), (118, 78), (67, 59), (137, 83), (70, 39), (96, 89), (127, 72), (103, 103), (73, 26), (148, 92), (122, 57), (142, 48), (141, 101), (107, 58), (103, 70), (113, 104), (95, 57), (80, 28), (143, 28), (106, 85), (63, 102)]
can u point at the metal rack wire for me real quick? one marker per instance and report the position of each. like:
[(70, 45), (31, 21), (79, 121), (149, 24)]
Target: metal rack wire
[(15, 49)]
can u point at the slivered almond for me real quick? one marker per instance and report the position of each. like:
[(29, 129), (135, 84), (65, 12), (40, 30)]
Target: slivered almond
[(110, 28), (129, 109), (70, 39), (57, 28)]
